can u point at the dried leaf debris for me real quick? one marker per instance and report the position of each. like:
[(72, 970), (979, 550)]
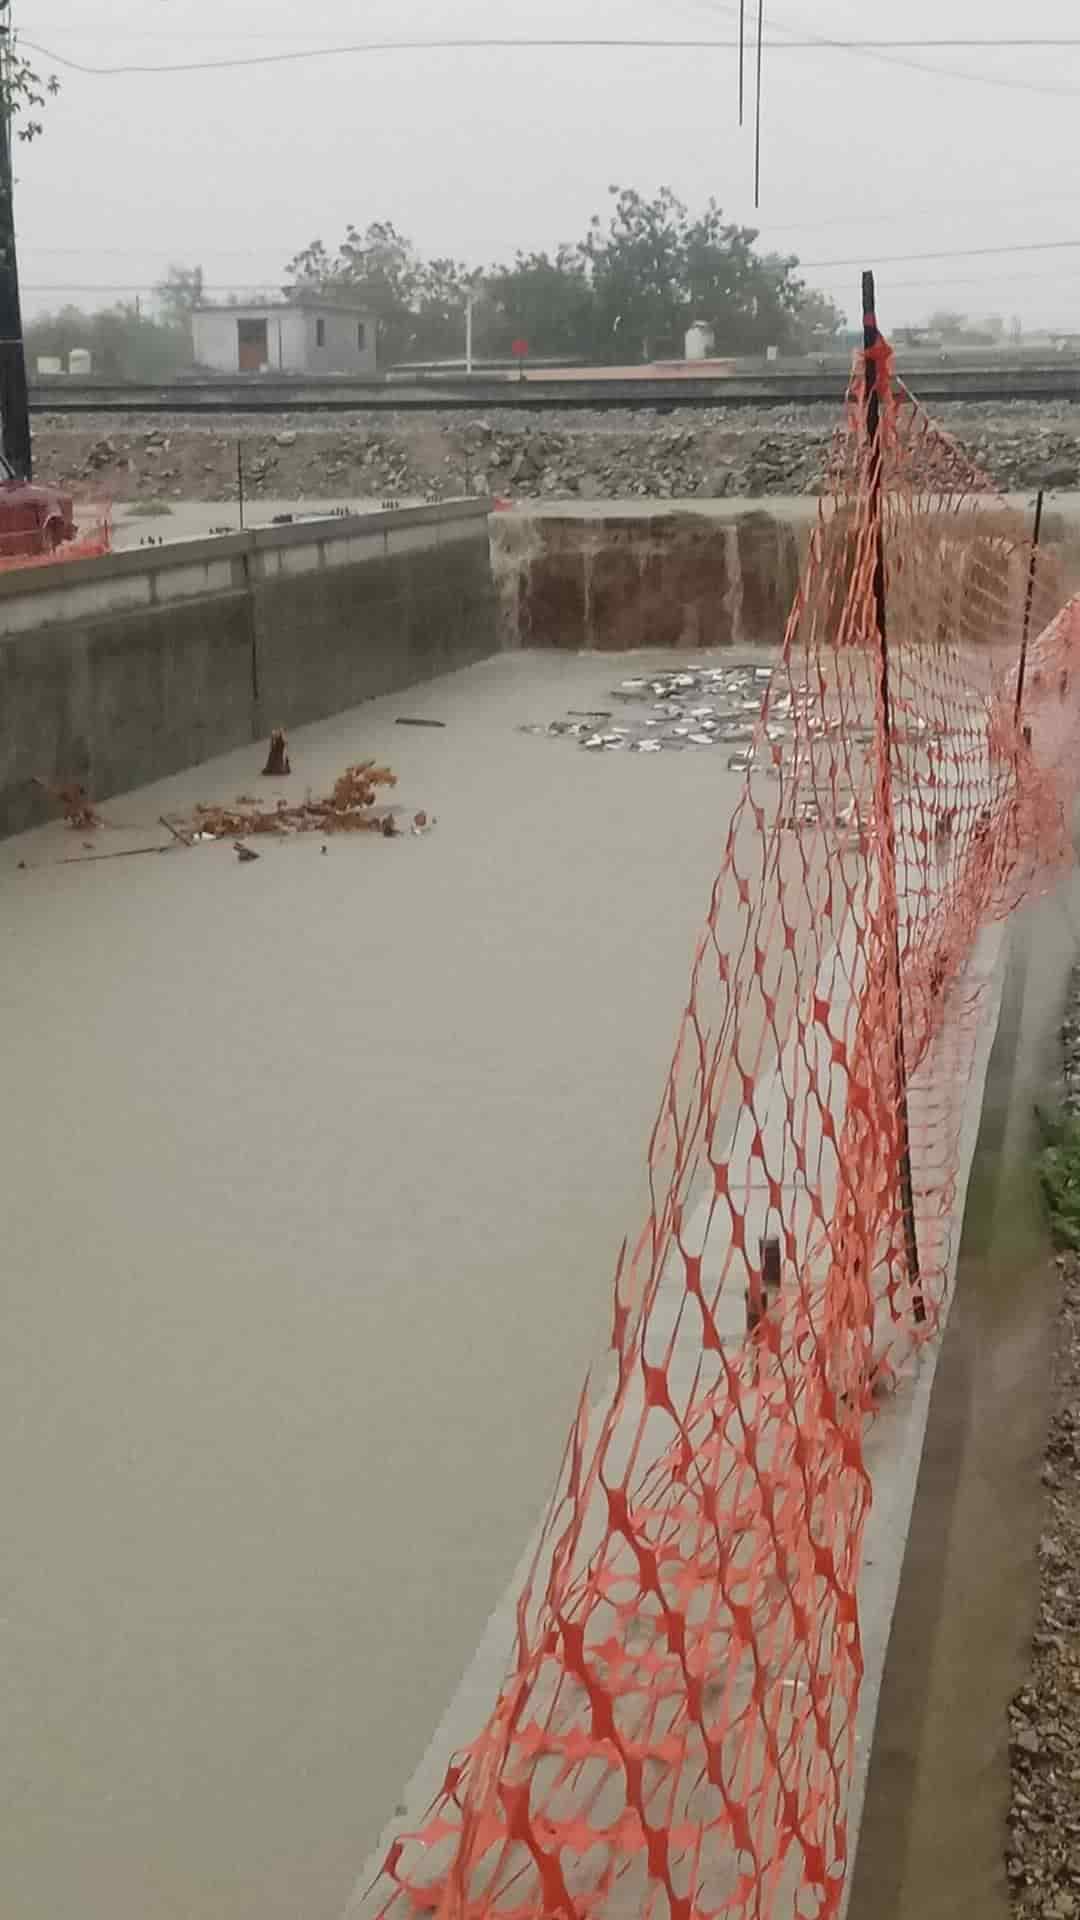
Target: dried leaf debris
[(74, 801), (352, 807), (357, 803)]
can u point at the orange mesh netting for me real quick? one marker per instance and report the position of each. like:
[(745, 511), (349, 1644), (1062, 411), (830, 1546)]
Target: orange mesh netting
[(93, 537), (676, 1733)]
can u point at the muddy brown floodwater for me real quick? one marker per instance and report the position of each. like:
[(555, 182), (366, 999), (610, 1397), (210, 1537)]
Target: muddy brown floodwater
[(314, 1170)]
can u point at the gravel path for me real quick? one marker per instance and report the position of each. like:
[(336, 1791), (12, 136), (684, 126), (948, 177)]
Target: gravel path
[(1043, 1855)]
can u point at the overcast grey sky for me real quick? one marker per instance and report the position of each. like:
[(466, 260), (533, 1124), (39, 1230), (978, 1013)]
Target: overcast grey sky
[(475, 153)]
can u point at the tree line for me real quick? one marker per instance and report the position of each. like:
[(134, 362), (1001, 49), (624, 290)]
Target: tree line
[(625, 293), (125, 341)]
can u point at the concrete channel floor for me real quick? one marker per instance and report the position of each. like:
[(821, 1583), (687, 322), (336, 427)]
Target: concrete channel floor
[(893, 1438), (314, 1175)]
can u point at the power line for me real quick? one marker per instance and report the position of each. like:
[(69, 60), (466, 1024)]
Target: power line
[(454, 44), (178, 253), (817, 266), (866, 49), (874, 219), (146, 286), (987, 280), (845, 43), (182, 250), (951, 253)]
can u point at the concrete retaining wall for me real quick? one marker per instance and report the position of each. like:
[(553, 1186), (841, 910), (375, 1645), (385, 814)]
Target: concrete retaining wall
[(615, 580), (725, 573), (121, 670)]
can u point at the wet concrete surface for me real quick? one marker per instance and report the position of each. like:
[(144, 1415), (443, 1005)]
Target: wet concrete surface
[(136, 522), (314, 1174), (932, 1842)]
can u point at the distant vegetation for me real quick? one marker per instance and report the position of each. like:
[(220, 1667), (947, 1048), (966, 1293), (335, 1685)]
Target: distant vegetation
[(124, 342), (626, 292)]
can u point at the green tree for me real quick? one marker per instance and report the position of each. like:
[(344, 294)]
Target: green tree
[(179, 294), (442, 293), (656, 270), (627, 292), (23, 90), (547, 301), (638, 272), (818, 321), (123, 343), (378, 269), (746, 298)]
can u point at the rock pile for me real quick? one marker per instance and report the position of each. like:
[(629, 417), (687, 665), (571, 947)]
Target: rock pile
[(750, 452)]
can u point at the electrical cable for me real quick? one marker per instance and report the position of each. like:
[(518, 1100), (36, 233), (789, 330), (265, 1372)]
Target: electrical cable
[(870, 48)]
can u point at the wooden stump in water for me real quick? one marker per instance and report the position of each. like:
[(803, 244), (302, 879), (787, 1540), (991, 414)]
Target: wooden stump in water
[(277, 759)]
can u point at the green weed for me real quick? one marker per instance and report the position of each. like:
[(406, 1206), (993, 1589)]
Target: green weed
[(1059, 1172)]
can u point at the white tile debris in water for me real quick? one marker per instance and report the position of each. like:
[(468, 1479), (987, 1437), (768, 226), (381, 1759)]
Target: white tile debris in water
[(691, 706), (694, 708)]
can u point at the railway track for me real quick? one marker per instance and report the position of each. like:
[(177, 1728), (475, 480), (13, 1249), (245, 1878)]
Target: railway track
[(268, 395)]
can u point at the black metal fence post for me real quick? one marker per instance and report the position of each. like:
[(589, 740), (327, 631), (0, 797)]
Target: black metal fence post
[(1029, 601), (872, 390)]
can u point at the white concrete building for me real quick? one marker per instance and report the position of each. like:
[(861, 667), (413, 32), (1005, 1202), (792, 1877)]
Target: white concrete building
[(301, 336)]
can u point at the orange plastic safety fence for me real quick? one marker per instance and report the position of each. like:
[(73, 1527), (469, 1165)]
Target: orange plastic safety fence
[(93, 537), (675, 1736)]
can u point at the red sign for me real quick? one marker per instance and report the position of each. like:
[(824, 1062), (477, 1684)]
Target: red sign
[(520, 349)]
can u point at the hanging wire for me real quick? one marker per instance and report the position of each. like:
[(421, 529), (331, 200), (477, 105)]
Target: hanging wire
[(742, 60), (757, 104)]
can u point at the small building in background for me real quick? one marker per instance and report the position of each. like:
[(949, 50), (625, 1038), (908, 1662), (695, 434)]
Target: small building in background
[(298, 336)]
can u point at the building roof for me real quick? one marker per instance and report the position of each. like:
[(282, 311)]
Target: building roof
[(304, 305)]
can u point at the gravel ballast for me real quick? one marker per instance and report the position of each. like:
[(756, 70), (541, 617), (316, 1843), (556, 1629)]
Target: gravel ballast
[(747, 452)]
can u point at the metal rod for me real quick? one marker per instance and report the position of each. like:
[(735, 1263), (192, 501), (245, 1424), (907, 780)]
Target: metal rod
[(14, 397), (742, 61), (757, 103), (1029, 601), (771, 1273), (871, 341), (240, 480)]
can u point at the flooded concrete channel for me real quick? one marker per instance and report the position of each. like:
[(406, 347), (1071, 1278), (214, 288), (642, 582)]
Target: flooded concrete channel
[(314, 1171)]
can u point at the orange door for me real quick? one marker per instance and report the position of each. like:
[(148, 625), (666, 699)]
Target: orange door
[(254, 350)]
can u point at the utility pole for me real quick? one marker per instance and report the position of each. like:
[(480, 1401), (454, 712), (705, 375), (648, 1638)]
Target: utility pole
[(470, 302), (14, 399)]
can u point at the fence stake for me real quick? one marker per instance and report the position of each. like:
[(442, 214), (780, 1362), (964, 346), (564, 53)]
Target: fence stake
[(871, 338), (1030, 600), (770, 1270)]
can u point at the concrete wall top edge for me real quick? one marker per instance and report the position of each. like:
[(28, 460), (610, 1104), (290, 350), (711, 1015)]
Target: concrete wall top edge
[(793, 508), (186, 553), (309, 531)]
